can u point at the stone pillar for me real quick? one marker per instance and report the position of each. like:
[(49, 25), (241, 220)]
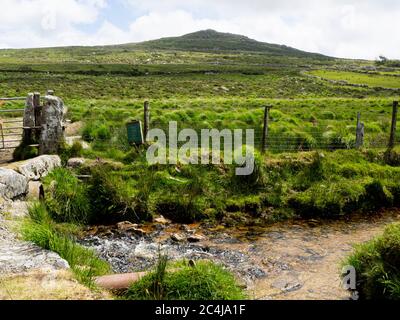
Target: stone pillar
[(52, 122), (29, 119)]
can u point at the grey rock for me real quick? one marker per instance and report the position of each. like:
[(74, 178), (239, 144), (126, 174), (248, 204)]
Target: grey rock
[(129, 227), (18, 256), (75, 162), (52, 133), (71, 140), (14, 209), (162, 220), (37, 168), (287, 284), (177, 237), (195, 238), (126, 226), (12, 184)]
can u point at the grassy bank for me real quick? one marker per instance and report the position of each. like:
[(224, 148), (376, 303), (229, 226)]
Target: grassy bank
[(377, 266), (40, 229), (308, 184)]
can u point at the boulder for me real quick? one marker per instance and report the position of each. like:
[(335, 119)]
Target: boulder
[(12, 184), (75, 162), (37, 168), (127, 226), (71, 140), (177, 237), (195, 238), (162, 220)]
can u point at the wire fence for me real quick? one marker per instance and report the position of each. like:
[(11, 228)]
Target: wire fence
[(289, 140), (284, 135)]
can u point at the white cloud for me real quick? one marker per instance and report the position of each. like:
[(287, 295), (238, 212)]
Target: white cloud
[(345, 28), (27, 23)]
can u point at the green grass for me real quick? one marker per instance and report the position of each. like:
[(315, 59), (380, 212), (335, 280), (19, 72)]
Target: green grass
[(203, 281), (308, 184), (40, 229), (372, 80), (66, 197), (377, 266), (104, 87)]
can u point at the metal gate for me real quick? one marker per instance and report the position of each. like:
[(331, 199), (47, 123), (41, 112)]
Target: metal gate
[(11, 124)]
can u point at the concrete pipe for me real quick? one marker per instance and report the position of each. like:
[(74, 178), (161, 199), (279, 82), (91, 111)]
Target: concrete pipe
[(35, 190), (119, 281)]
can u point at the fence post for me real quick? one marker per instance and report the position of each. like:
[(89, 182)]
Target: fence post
[(392, 140), (359, 132), (146, 120), (265, 129), (29, 119), (52, 120), (37, 112)]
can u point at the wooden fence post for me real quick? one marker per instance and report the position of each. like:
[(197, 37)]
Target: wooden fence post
[(265, 129), (146, 120), (359, 132), (392, 140)]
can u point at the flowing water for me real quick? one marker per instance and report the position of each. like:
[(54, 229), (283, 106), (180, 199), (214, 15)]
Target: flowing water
[(288, 260)]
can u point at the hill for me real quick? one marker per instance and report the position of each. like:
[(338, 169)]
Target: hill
[(207, 46), (213, 41)]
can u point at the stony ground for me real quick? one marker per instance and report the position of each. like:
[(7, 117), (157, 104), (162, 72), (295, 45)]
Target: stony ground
[(28, 272)]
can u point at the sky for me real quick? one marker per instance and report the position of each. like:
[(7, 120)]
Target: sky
[(340, 28)]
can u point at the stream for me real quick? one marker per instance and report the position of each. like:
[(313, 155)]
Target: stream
[(287, 260)]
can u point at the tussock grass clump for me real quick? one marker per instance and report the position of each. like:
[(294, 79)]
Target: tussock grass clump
[(202, 280), (96, 130), (392, 157), (341, 197), (115, 198), (66, 197), (66, 152), (41, 230), (377, 264)]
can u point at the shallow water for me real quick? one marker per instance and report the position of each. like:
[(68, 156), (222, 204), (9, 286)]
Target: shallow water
[(288, 260)]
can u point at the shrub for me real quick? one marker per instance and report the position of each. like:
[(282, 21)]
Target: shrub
[(202, 281), (66, 197), (377, 265)]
